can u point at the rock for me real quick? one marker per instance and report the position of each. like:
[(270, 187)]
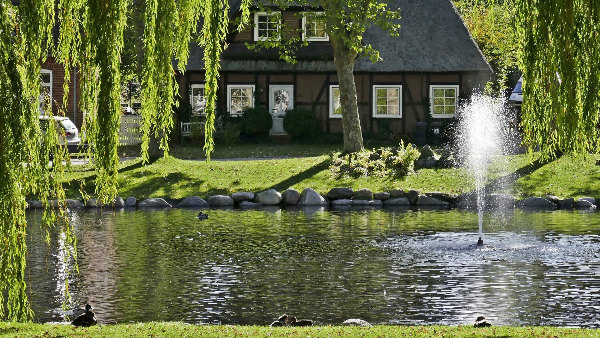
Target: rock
[(365, 203), (382, 196), (363, 194), (467, 201), (583, 204), (426, 201), (536, 203), (130, 201), (154, 203), (34, 204), (589, 199), (553, 199), (566, 204), (94, 203), (397, 193), (403, 201), (73, 204), (220, 201), (500, 201), (290, 197), (447, 161), (341, 202), (118, 202), (192, 202), (426, 151), (450, 198), (249, 205), (426, 162), (339, 193), (413, 196), (242, 196), (309, 197), (356, 322), (268, 197)]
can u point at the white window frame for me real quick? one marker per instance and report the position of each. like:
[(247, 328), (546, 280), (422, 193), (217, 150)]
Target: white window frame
[(43, 84), (238, 86), (431, 98), (259, 38), (192, 87), (331, 103), (387, 116), (317, 38)]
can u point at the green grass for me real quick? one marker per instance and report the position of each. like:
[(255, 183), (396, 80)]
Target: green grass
[(184, 330), (178, 176)]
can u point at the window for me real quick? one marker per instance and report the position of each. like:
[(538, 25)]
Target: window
[(387, 101), (313, 27), (444, 100), (239, 97), (266, 26), (335, 107), (197, 99), (45, 98)]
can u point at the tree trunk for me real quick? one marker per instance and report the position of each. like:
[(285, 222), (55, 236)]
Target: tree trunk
[(344, 64)]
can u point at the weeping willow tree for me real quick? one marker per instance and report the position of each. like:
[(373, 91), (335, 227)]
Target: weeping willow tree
[(561, 64), (91, 39)]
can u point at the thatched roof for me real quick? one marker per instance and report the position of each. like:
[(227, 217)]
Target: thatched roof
[(433, 38)]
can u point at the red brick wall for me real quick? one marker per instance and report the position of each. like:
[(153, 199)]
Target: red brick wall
[(58, 79)]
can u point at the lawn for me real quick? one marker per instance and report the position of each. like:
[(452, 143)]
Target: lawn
[(301, 166), (185, 330)]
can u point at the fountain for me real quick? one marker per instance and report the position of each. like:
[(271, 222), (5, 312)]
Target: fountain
[(483, 121)]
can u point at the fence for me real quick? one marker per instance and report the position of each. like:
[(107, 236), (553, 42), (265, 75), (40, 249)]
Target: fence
[(186, 127), (130, 133)]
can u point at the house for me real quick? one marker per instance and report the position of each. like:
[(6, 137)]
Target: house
[(424, 74)]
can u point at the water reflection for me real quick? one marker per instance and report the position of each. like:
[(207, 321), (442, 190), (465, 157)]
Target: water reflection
[(389, 267)]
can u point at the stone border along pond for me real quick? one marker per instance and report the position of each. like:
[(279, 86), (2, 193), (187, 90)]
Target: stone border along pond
[(341, 198)]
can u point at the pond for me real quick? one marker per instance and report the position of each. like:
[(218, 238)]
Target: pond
[(386, 267)]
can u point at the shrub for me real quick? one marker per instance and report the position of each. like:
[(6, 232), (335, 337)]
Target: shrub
[(300, 123), (256, 121), (389, 161)]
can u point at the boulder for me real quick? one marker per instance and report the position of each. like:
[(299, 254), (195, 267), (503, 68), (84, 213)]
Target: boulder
[(426, 151), (397, 193), (356, 322), (339, 193), (34, 204), (73, 204), (268, 197), (249, 205), (382, 196), (242, 196), (583, 204), (118, 202), (553, 199), (154, 203), (566, 204), (130, 201), (220, 201), (500, 201), (467, 201), (536, 203), (413, 196), (363, 194), (426, 162), (450, 198), (192, 202), (426, 201), (310, 197), (290, 197), (341, 202), (365, 203), (589, 199), (402, 201)]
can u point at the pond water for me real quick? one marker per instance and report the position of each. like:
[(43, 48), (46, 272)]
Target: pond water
[(387, 267)]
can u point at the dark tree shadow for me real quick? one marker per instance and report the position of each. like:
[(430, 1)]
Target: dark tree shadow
[(301, 176)]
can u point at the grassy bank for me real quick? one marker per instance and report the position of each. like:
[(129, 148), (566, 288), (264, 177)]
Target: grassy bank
[(184, 330), (179, 176)]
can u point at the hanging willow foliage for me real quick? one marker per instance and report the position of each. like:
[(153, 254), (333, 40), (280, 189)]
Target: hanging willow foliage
[(561, 79)]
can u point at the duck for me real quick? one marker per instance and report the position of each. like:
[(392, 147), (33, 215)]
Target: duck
[(481, 322), (88, 318), (300, 322), (281, 321), (202, 216)]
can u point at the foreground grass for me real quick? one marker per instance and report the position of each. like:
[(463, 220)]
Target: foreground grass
[(175, 177), (184, 330)]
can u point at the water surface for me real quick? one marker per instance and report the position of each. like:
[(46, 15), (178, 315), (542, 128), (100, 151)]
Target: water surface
[(387, 267)]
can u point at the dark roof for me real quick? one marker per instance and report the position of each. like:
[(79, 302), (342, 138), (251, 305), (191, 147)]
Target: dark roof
[(433, 38)]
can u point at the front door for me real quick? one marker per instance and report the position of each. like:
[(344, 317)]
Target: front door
[(281, 99)]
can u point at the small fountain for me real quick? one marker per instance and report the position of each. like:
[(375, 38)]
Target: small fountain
[(483, 122)]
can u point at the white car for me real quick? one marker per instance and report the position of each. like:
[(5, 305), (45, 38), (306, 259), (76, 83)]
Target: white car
[(71, 138), (516, 97)]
